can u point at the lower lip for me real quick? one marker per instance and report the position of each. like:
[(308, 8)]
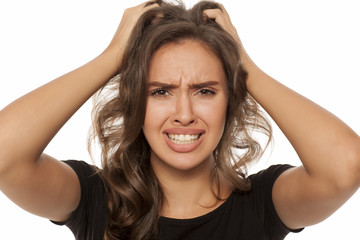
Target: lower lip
[(183, 148)]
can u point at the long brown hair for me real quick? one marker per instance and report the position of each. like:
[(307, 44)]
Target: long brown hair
[(134, 193)]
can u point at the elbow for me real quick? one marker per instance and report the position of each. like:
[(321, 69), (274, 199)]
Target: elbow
[(5, 166), (357, 163), (3, 169), (350, 177)]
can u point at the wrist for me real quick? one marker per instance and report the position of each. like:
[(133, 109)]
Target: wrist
[(255, 76), (109, 60)]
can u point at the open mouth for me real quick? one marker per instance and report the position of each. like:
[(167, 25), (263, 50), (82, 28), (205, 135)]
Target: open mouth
[(183, 138)]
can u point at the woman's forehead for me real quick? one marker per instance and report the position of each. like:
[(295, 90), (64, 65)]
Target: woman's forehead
[(189, 60)]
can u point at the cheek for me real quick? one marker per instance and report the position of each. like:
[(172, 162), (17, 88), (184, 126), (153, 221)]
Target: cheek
[(155, 113), (215, 113)]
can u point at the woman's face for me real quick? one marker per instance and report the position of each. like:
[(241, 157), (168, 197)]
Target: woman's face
[(186, 106)]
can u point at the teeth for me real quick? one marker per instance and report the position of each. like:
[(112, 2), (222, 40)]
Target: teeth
[(183, 138)]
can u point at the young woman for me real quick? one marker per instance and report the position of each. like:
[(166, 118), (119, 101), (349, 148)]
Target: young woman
[(183, 106)]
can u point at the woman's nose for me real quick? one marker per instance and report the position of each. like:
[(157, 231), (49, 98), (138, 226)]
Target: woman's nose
[(184, 114)]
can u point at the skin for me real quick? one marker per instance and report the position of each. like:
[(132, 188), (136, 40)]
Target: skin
[(308, 194), (302, 196), (39, 183), (186, 83)]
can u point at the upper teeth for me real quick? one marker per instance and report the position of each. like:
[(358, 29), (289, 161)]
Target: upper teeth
[(183, 137)]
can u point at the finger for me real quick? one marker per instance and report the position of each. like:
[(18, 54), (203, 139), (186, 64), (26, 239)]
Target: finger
[(223, 9), (154, 5), (223, 20), (150, 3), (215, 14), (146, 6), (158, 17)]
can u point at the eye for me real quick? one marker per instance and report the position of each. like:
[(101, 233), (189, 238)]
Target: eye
[(206, 92), (159, 92)]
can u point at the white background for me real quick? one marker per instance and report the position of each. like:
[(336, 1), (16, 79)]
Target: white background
[(310, 46)]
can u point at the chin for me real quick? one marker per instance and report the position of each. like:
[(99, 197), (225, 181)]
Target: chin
[(184, 163)]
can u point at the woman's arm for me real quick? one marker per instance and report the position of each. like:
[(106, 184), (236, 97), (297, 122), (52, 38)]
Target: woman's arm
[(37, 182), (328, 148)]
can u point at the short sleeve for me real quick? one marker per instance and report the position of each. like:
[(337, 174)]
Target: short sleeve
[(89, 219), (262, 185)]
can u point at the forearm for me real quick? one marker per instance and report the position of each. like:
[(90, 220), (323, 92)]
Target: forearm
[(326, 146), (28, 124)]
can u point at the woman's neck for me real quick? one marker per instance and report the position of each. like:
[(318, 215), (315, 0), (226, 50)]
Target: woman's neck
[(189, 193)]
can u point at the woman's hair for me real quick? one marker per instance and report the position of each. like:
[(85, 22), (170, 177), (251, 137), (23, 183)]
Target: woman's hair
[(134, 193)]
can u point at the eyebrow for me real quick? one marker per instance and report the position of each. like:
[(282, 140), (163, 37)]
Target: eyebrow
[(194, 85)]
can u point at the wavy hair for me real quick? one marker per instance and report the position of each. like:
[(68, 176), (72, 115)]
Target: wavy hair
[(134, 194)]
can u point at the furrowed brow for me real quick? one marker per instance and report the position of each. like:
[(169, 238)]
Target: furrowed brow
[(161, 85), (204, 84)]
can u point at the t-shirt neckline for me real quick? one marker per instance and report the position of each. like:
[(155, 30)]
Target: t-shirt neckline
[(199, 218)]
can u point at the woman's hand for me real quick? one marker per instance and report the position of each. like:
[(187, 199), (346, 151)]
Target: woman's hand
[(329, 149), (128, 21), (222, 18), (37, 182)]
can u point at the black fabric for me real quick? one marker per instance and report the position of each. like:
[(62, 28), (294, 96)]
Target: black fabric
[(88, 221), (249, 216)]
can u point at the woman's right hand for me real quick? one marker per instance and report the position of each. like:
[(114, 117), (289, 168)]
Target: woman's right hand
[(128, 22), (35, 181)]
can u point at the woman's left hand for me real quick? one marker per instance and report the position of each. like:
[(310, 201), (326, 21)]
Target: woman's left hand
[(328, 149), (222, 18)]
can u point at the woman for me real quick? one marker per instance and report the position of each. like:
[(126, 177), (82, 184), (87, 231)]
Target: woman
[(295, 193)]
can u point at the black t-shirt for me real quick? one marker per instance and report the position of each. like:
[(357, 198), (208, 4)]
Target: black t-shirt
[(244, 215)]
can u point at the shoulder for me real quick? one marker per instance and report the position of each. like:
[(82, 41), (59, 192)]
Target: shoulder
[(89, 176), (257, 204), (82, 167), (85, 171), (89, 218), (268, 176), (262, 184)]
